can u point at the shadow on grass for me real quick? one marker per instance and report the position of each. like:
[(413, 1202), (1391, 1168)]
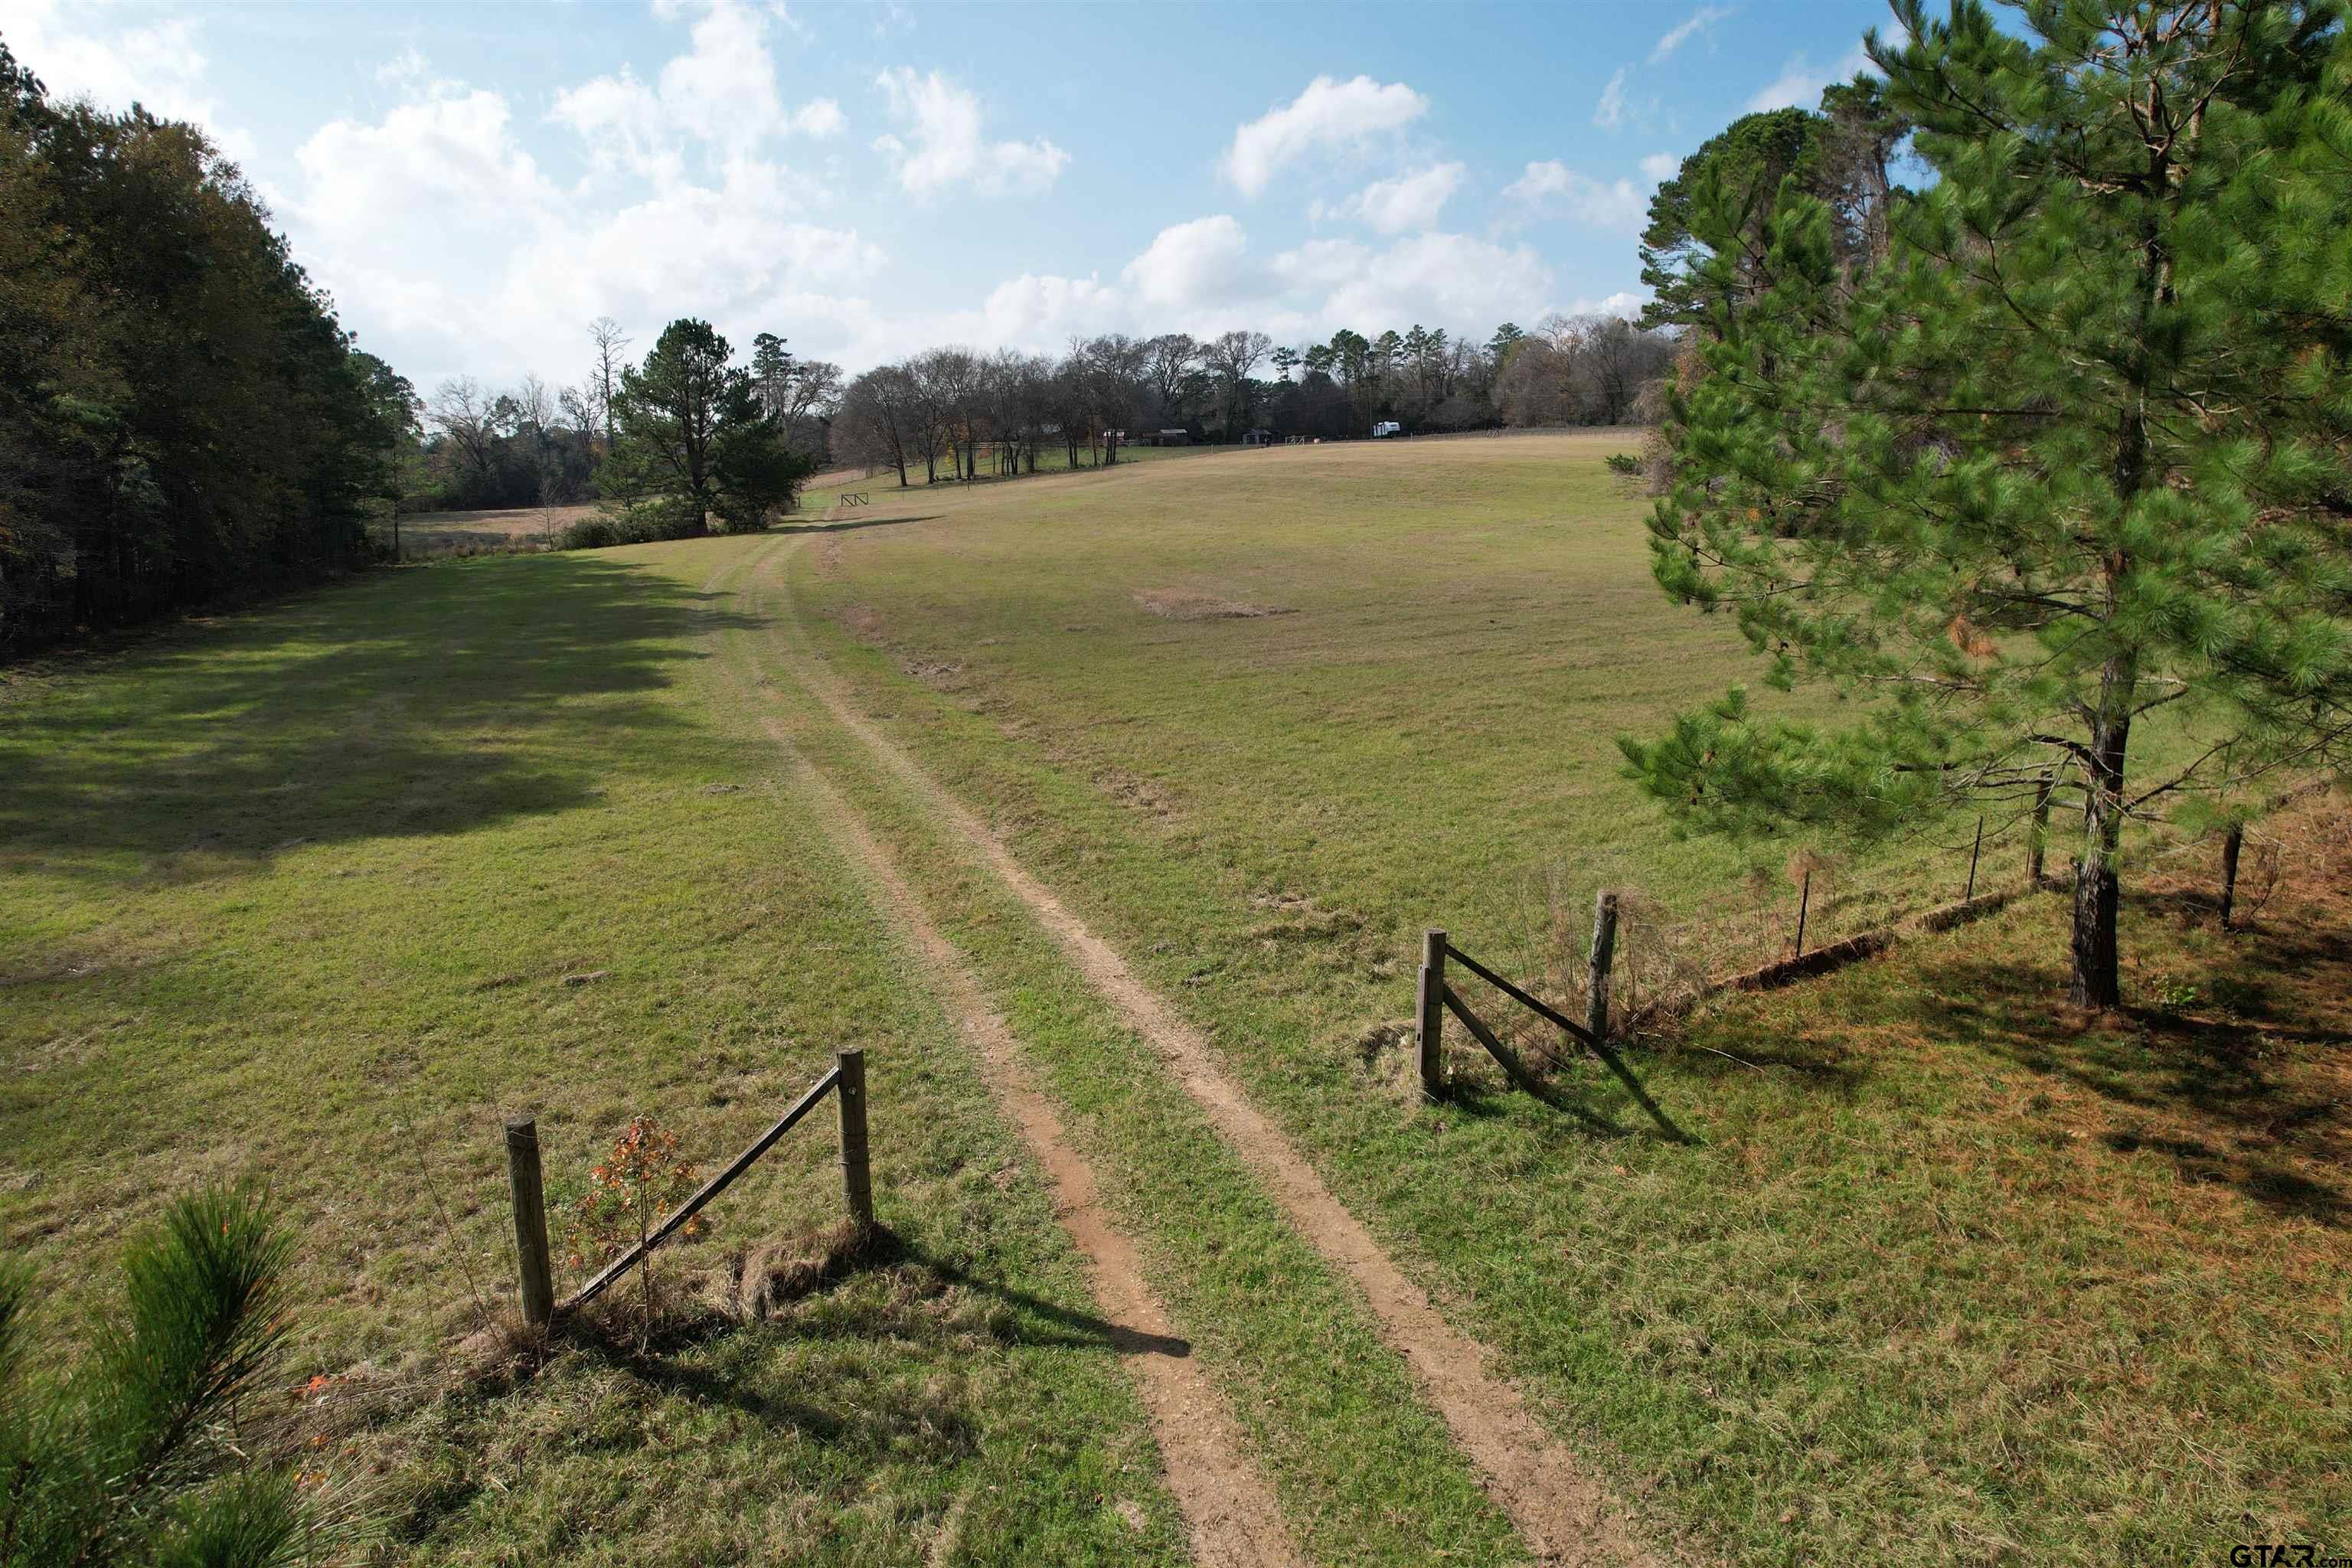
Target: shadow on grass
[(410, 702), (653, 1357), (847, 525), (1072, 1329), (2240, 1084), (1485, 1101)]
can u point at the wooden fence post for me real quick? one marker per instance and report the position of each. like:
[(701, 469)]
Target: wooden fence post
[(1428, 1035), (1604, 953), (856, 1175), (523, 1179), (1804, 903), (2038, 835), (2229, 847), (1971, 891)]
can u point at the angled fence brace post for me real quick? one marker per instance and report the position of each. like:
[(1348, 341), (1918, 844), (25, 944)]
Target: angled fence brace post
[(1979, 849), (532, 1269), (1604, 955), (856, 1175), (1428, 1034), (2038, 835), (2230, 847)]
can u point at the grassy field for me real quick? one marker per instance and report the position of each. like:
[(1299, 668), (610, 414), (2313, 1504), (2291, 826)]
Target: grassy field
[(1263, 720), (1946, 1276), (319, 893), (429, 533), (425, 534)]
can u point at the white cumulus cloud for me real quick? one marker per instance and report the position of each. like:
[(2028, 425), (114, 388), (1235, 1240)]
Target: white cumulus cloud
[(93, 54), (1799, 85), (1328, 116), (1202, 277), (1551, 189), (1192, 265), (512, 264), (1401, 205), (819, 117), (1660, 167), (944, 146), (719, 94)]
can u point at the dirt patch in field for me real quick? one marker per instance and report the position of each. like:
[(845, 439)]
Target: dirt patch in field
[(1137, 793), (861, 622), (1177, 605), (938, 673), (1295, 917)]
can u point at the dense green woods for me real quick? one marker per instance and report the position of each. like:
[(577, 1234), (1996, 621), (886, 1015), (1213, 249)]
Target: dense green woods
[(180, 414)]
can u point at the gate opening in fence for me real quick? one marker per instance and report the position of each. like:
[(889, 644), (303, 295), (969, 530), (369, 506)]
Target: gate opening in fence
[(845, 1081), (1437, 998)]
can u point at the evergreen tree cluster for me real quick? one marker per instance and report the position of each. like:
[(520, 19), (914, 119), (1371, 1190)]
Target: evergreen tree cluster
[(180, 414), (695, 442)]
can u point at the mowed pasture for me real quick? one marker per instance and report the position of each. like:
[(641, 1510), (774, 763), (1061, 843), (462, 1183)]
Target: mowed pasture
[(318, 893)]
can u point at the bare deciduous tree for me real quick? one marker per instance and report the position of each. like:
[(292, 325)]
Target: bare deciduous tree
[(605, 375), (1233, 355), (538, 418), (467, 415), (1168, 361)]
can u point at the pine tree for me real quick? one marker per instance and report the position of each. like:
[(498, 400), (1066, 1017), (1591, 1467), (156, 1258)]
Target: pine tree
[(1713, 209), (689, 429), (2079, 451), (134, 1459)]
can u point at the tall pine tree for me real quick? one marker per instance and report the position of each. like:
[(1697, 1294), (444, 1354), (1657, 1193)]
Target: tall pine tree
[(2080, 450)]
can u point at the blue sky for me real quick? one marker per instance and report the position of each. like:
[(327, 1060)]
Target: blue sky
[(473, 182)]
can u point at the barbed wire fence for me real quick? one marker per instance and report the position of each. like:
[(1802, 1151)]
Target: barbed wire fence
[(1812, 911)]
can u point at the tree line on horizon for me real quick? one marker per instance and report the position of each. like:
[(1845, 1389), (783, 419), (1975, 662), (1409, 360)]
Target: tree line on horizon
[(948, 406), (533, 445), (184, 420)]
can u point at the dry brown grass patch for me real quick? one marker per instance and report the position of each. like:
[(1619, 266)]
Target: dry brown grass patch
[(752, 1284), (1180, 605)]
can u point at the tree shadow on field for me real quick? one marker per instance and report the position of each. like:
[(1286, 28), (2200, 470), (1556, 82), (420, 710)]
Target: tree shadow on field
[(2232, 1061), (2250, 1096), (423, 701)]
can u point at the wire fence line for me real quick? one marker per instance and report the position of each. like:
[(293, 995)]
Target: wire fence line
[(1668, 956)]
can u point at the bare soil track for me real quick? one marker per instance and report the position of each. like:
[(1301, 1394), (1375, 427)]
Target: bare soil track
[(1565, 1514), (1234, 1519)]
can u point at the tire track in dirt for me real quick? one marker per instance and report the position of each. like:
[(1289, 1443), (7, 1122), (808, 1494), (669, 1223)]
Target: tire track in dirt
[(1230, 1510), (1566, 1514)]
